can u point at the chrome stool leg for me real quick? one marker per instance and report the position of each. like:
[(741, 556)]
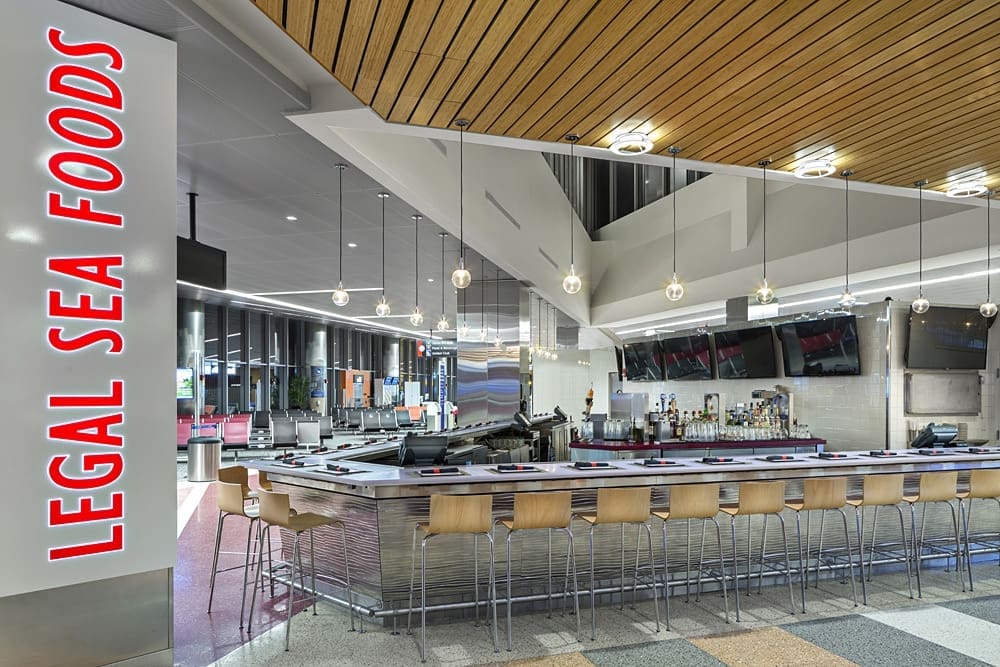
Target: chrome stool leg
[(215, 559), (858, 509), (593, 599), (906, 556), (850, 556), (493, 593), (413, 567), (736, 573), (722, 567), (510, 603), (666, 576), (788, 566)]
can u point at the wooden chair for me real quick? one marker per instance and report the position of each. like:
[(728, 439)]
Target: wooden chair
[(983, 484), (935, 487), (879, 491)]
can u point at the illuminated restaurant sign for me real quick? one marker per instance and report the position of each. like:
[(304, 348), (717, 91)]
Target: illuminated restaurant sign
[(88, 257)]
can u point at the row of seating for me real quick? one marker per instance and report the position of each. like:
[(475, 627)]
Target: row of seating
[(233, 429), (304, 433), (373, 419)]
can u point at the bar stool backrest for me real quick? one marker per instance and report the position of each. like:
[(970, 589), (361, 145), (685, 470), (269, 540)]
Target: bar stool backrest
[(263, 481), (694, 501), (236, 475), (936, 486), (229, 498), (623, 505), (542, 510), (882, 490), (460, 514), (761, 497), (274, 508), (984, 484), (824, 493)]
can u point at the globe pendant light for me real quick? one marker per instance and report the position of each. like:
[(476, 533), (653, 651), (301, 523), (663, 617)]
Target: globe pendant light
[(417, 316), (988, 308), (571, 284), (498, 341), (675, 290), (340, 296), (382, 308), (847, 299), (764, 293), (442, 324), (920, 305), (483, 333), (460, 277)]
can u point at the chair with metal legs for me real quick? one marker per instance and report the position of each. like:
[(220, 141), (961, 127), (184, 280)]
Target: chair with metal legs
[(229, 498), (758, 498), (692, 501), (543, 511), (453, 515), (879, 491), (629, 506), (275, 511), (826, 494), (985, 485), (238, 475), (934, 487)]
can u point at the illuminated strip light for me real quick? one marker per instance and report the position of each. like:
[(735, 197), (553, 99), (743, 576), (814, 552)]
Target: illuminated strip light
[(669, 325), (317, 291), (304, 309)]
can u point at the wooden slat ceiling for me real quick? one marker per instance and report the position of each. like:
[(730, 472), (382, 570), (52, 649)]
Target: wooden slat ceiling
[(895, 89)]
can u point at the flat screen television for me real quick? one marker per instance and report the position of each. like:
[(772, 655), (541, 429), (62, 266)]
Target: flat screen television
[(947, 338), (745, 353), (687, 358), (185, 383), (820, 347), (643, 362)]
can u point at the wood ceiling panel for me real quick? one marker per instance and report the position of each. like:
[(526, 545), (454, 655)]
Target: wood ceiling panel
[(895, 89)]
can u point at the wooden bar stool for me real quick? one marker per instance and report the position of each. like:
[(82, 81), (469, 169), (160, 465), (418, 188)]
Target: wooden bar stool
[(453, 515), (622, 506), (275, 511), (263, 481), (543, 511), (229, 498), (935, 487), (983, 484), (758, 498), (879, 491), (826, 494), (692, 501)]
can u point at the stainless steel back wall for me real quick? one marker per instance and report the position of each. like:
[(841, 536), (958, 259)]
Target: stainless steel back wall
[(472, 384)]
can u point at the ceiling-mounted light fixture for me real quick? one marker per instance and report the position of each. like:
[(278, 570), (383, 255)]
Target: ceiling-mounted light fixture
[(571, 284), (460, 277), (964, 189), (920, 304), (498, 341), (631, 143), (340, 296), (442, 324), (815, 169), (675, 290), (417, 316), (764, 293), (382, 308), (988, 308), (847, 299), (483, 332)]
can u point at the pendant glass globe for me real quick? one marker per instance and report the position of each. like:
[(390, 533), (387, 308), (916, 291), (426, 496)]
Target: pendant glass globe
[(463, 331), (442, 324), (764, 294), (340, 296), (483, 335), (847, 299), (555, 356), (920, 305), (417, 317), (674, 291), (382, 308), (497, 341), (460, 277), (988, 309), (572, 282)]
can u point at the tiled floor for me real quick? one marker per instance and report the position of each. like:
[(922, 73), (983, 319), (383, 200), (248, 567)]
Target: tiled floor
[(946, 628)]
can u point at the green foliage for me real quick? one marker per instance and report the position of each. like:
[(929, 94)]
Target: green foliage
[(298, 392)]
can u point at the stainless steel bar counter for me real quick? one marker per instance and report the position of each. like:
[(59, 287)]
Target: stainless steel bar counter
[(380, 505)]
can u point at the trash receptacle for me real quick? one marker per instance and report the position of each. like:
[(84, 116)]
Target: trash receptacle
[(204, 458)]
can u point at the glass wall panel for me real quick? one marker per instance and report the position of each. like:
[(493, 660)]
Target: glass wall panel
[(235, 339)]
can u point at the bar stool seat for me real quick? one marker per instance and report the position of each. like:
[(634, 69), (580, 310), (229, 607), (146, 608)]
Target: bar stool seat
[(450, 515), (879, 491), (983, 485), (934, 487), (692, 501), (758, 498), (628, 506), (543, 511), (825, 494)]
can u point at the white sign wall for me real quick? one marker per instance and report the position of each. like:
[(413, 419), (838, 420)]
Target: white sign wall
[(87, 265)]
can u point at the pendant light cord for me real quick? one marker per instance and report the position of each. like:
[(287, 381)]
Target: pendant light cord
[(920, 236), (340, 204), (416, 261), (462, 124), (763, 165), (482, 296), (847, 173), (383, 244), (673, 192), (572, 138), (498, 303), (442, 276), (989, 194)]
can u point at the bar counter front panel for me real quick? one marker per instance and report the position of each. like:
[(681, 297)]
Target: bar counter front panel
[(381, 504)]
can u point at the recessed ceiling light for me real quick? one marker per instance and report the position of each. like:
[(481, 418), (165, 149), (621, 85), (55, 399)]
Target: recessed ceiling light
[(430, 280), (352, 245), (966, 189), (290, 218), (631, 143), (815, 169)]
